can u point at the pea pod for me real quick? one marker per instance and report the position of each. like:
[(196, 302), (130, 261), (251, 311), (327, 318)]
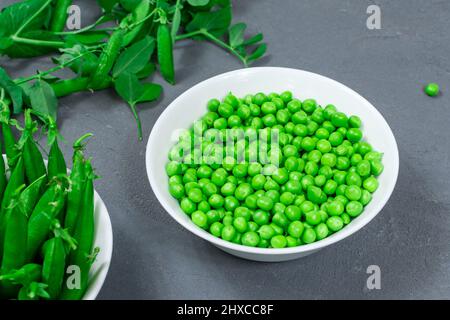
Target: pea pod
[(165, 53), (33, 291), (53, 269), (30, 196), (59, 16), (107, 59), (56, 163), (139, 13), (3, 181), (32, 157), (14, 245), (9, 140), (84, 236), (77, 184), (25, 275), (66, 87), (15, 181), (43, 216)]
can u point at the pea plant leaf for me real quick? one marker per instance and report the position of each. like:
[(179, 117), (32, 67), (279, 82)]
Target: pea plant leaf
[(147, 71), (138, 14), (107, 5), (236, 34), (215, 22), (257, 53), (43, 99), (198, 3), (20, 50), (135, 58), (24, 16), (13, 90), (152, 92)]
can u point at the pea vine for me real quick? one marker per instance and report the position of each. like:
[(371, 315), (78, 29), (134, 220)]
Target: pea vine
[(122, 49)]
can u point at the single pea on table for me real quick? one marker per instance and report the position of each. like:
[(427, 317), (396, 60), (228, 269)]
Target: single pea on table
[(295, 172)]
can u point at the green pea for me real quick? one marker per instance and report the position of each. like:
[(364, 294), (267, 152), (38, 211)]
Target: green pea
[(370, 184), (293, 105), (278, 241), (250, 239), (278, 208), (353, 179), (339, 119), (354, 208), (287, 198), (216, 201), (231, 203), (316, 195), (309, 106), (354, 134), (240, 224), (328, 159), (204, 206), (335, 223), (228, 232), (280, 176), (213, 105), (366, 197), (376, 167), (432, 89), (306, 206), (200, 219), (176, 190), (340, 177), (250, 201), (345, 218), (266, 232), (321, 231), (354, 122), (261, 217), (313, 218), (309, 236), (265, 203), (243, 191), (330, 187), (188, 206), (216, 229), (364, 148), (335, 208), (295, 229), (278, 230)]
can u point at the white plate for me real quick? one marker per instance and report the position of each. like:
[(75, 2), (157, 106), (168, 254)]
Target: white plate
[(103, 238), (191, 105)]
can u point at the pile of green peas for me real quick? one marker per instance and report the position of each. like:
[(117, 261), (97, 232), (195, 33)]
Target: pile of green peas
[(325, 176)]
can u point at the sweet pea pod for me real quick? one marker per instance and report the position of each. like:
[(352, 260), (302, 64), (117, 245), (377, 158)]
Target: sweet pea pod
[(33, 291), (14, 245), (32, 157), (84, 235), (56, 163), (30, 195), (15, 181), (3, 180), (107, 59), (43, 216), (165, 53), (53, 268), (9, 140), (77, 184), (59, 16), (25, 275)]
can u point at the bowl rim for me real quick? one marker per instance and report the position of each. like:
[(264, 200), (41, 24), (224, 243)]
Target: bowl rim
[(338, 236)]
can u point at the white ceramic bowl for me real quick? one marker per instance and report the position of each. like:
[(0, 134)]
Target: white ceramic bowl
[(103, 238), (191, 105)]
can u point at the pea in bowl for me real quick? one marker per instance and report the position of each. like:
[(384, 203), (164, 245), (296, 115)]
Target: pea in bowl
[(191, 106)]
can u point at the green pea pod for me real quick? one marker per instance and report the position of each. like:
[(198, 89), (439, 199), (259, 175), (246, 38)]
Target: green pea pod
[(77, 184), (32, 157), (139, 13), (30, 196), (84, 235), (33, 291), (9, 140), (43, 216), (53, 269), (59, 16), (3, 180), (107, 59), (26, 275), (14, 246), (165, 53), (15, 181), (56, 162)]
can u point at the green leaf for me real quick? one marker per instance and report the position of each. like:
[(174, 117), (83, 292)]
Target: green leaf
[(43, 99), (236, 34), (215, 22), (134, 58), (107, 5), (12, 18), (253, 40), (198, 3), (13, 90), (85, 62), (152, 92), (258, 53), (147, 71), (128, 87)]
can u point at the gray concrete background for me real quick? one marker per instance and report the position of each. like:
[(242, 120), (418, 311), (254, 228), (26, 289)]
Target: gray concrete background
[(155, 258)]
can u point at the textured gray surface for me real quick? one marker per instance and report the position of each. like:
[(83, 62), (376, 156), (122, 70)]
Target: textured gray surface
[(154, 258)]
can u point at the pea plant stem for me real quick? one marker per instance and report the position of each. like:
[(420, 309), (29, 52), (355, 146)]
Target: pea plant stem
[(99, 21), (42, 43), (215, 40)]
